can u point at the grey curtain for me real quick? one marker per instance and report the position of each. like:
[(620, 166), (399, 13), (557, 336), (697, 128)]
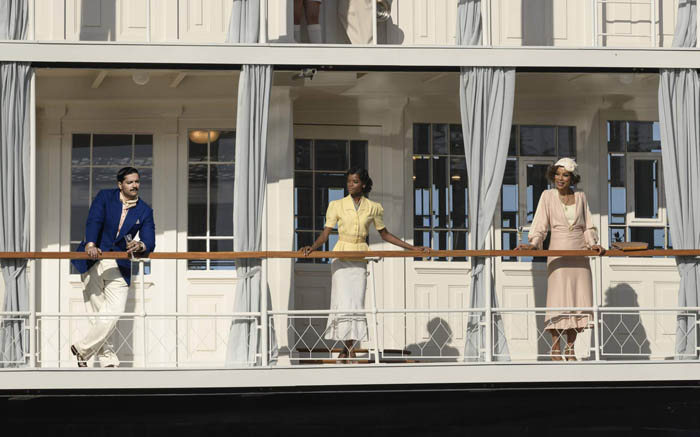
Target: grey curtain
[(486, 103), (14, 183), (244, 24), (254, 87), (679, 116)]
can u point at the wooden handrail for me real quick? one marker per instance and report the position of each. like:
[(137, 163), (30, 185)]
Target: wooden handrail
[(365, 254)]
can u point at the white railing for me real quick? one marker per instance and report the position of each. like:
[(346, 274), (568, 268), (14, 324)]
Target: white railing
[(394, 335)]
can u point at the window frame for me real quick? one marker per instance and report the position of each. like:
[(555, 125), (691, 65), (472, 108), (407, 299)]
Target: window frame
[(207, 238), (410, 201)]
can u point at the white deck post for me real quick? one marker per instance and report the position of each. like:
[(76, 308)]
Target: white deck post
[(489, 313), (142, 292), (264, 316), (31, 264), (148, 21), (262, 38), (653, 23), (594, 22)]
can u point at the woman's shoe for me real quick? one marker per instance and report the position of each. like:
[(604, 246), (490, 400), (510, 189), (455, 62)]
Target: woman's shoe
[(570, 354), (555, 354)]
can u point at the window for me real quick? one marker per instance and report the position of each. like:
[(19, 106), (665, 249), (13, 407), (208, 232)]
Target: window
[(319, 178), (531, 151), (210, 196), (635, 198), (95, 161), (440, 194)]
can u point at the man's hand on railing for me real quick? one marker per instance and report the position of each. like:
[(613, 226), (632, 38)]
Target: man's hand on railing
[(93, 251), (306, 250)]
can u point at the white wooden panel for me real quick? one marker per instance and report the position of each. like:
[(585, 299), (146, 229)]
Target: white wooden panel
[(665, 295), (132, 20), (457, 296), (202, 333), (667, 14), (50, 20), (560, 19), (426, 298), (91, 20), (203, 20), (517, 325)]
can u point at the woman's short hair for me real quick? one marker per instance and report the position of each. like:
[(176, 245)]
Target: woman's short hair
[(362, 173), (124, 172), (552, 171)]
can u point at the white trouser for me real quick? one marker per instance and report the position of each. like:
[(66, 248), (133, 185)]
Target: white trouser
[(356, 18), (105, 291)]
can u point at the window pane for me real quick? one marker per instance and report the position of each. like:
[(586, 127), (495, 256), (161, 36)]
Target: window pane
[(302, 239), (80, 153), (103, 179), (617, 235), (146, 185), (303, 200), (643, 137), (652, 236), (537, 141), (439, 139), (456, 140), (197, 152), (421, 138), (617, 193), (509, 195), (440, 190), (422, 237), (111, 150), (646, 189), (224, 149), (440, 243), (537, 183), (617, 132), (221, 246), (458, 193), (616, 170), (421, 192), (196, 246), (358, 154), (302, 154), (567, 141), (512, 150), (331, 155), (329, 186), (459, 242), (79, 201), (143, 151), (221, 199), (197, 200), (509, 241)]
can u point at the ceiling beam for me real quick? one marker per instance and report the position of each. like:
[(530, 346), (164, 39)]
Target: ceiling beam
[(178, 79), (99, 78)]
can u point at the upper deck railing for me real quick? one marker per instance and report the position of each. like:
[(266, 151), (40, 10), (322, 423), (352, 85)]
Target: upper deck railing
[(171, 339)]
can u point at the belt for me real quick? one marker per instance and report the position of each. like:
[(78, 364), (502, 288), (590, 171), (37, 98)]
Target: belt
[(348, 239)]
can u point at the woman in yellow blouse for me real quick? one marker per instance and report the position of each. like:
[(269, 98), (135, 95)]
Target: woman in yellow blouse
[(353, 215)]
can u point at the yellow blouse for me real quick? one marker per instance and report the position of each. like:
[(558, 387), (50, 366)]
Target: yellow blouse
[(353, 225)]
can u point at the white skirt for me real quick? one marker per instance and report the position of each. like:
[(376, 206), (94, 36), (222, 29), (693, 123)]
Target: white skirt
[(348, 285)]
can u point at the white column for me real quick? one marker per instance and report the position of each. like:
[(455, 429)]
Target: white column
[(278, 234), (32, 277)]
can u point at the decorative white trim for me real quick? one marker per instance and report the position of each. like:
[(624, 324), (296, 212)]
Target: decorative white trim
[(336, 54)]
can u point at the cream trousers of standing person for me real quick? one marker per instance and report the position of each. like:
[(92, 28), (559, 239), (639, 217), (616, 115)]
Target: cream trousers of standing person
[(356, 18), (105, 291)]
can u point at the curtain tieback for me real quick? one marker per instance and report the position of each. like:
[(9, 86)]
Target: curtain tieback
[(687, 264), (252, 272)]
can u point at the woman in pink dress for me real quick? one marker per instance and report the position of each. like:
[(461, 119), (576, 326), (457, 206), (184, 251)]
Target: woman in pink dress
[(565, 214)]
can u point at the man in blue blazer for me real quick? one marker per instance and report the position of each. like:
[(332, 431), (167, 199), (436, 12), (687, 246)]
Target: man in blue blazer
[(115, 217)]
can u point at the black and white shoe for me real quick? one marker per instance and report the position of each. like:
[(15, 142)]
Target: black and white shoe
[(81, 361)]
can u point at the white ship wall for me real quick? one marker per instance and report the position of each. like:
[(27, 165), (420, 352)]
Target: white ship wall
[(565, 23)]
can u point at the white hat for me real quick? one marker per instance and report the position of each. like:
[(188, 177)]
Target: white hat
[(568, 164)]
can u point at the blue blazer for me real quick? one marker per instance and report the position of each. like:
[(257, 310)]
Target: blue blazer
[(103, 222)]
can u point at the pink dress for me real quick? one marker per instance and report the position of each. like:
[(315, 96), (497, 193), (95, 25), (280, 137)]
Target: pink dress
[(569, 281)]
